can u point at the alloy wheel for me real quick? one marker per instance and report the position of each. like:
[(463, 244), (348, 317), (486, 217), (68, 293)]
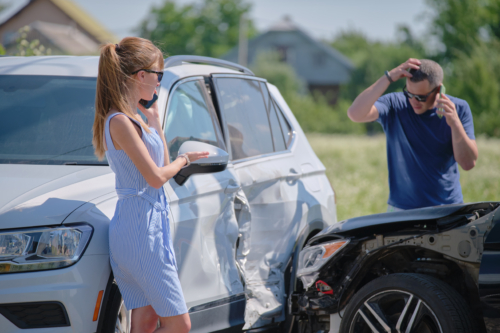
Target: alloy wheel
[(395, 311)]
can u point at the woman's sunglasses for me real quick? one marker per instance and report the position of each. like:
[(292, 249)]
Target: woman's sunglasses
[(420, 98), (160, 74)]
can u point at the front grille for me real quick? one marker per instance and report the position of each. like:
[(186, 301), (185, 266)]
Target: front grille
[(36, 314)]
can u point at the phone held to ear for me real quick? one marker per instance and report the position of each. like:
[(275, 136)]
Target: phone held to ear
[(147, 104), (442, 91)]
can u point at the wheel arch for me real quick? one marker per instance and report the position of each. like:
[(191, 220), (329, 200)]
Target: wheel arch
[(104, 303), (458, 276), (312, 229)]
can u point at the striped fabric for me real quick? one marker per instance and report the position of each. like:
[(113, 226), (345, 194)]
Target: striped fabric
[(140, 244)]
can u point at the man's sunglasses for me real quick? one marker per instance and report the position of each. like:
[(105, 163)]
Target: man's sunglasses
[(420, 98), (160, 74)]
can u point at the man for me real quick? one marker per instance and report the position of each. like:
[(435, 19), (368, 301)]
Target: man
[(422, 148)]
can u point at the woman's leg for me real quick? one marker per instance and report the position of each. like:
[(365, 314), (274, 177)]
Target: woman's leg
[(175, 324), (144, 320)]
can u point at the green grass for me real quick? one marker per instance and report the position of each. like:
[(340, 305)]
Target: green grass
[(357, 169)]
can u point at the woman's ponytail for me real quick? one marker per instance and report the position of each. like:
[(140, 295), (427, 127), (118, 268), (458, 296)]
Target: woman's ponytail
[(116, 62)]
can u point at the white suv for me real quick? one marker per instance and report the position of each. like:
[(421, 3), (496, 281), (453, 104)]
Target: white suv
[(238, 218)]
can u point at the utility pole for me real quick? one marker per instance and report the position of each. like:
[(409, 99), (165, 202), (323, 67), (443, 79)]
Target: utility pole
[(243, 42)]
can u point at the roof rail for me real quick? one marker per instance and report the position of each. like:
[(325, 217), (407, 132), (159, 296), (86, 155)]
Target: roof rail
[(178, 60)]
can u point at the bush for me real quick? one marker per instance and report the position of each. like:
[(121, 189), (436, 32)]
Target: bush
[(27, 48)]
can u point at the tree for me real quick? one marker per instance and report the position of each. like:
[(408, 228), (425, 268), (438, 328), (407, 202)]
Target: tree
[(460, 25), (313, 113), (474, 77), (209, 29)]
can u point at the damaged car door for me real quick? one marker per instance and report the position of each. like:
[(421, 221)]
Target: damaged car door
[(202, 212), (269, 176)]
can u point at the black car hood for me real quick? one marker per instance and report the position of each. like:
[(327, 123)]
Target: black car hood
[(395, 221)]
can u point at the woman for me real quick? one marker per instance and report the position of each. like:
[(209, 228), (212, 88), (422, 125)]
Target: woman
[(141, 252)]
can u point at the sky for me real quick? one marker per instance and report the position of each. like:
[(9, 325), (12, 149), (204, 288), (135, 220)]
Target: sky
[(323, 19)]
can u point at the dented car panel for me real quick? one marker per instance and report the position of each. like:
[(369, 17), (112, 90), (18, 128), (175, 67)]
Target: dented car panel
[(457, 244)]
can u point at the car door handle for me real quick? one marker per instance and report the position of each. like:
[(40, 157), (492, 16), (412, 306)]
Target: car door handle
[(292, 176), (231, 189)]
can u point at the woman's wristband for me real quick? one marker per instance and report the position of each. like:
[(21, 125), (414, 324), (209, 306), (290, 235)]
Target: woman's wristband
[(188, 162)]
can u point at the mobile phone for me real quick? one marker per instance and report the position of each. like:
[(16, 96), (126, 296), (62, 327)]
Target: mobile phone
[(442, 91), (147, 104)]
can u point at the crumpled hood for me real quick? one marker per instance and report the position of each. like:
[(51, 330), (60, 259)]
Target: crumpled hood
[(36, 195), (395, 221)]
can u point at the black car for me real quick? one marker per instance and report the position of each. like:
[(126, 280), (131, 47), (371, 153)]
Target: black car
[(433, 269)]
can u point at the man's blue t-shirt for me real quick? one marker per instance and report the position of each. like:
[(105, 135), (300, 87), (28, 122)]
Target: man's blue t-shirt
[(422, 169)]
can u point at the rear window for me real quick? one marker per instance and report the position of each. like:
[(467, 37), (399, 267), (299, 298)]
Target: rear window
[(47, 120)]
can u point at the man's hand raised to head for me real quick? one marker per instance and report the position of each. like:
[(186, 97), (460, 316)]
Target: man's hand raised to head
[(402, 70), (363, 109)]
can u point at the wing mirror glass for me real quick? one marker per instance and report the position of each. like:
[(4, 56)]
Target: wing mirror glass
[(215, 162)]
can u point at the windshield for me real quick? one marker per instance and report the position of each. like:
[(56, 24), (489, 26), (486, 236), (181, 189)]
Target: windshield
[(47, 120)]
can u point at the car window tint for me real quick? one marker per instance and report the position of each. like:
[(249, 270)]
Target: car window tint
[(279, 141), (190, 117), (47, 120), (246, 117), (285, 126)]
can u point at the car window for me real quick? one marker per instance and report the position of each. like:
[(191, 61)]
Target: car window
[(245, 113), (47, 120), (191, 117), (279, 141)]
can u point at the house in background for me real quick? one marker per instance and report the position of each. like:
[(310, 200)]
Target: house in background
[(60, 25), (320, 66)]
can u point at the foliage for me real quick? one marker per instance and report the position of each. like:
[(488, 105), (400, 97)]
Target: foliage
[(209, 29), (371, 59), (312, 112), (461, 25), (475, 78), (357, 169), (30, 48), (2, 8)]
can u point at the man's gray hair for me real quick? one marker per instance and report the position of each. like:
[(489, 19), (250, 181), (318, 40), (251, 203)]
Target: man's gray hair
[(429, 70)]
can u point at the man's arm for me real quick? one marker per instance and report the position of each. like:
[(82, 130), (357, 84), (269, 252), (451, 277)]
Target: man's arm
[(464, 149), (363, 109)]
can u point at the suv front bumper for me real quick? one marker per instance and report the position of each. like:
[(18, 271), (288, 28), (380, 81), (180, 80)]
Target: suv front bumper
[(75, 287)]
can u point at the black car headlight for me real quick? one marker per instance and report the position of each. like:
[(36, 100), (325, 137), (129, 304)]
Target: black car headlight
[(312, 258), (36, 249)]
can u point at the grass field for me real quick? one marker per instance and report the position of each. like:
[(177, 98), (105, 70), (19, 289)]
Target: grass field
[(357, 169)]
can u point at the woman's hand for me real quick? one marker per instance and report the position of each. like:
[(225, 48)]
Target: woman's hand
[(196, 155), (153, 114)]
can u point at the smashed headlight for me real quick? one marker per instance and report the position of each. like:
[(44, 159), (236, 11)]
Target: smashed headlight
[(37, 249), (312, 258)]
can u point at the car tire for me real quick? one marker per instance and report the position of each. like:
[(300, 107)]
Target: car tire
[(117, 317), (407, 302)]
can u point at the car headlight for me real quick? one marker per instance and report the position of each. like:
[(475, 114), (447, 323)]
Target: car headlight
[(44, 248), (311, 259)]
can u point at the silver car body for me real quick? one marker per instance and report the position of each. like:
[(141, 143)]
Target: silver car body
[(234, 232)]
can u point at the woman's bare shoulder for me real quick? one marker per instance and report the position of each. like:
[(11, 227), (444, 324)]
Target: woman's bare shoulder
[(121, 125)]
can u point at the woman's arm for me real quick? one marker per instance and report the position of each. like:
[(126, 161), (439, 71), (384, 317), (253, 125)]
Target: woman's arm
[(125, 135)]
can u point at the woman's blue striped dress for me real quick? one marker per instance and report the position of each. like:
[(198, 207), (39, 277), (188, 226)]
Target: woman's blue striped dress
[(140, 245)]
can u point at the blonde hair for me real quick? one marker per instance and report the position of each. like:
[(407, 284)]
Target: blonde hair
[(116, 63)]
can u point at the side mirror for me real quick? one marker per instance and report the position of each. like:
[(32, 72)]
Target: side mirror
[(215, 162)]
